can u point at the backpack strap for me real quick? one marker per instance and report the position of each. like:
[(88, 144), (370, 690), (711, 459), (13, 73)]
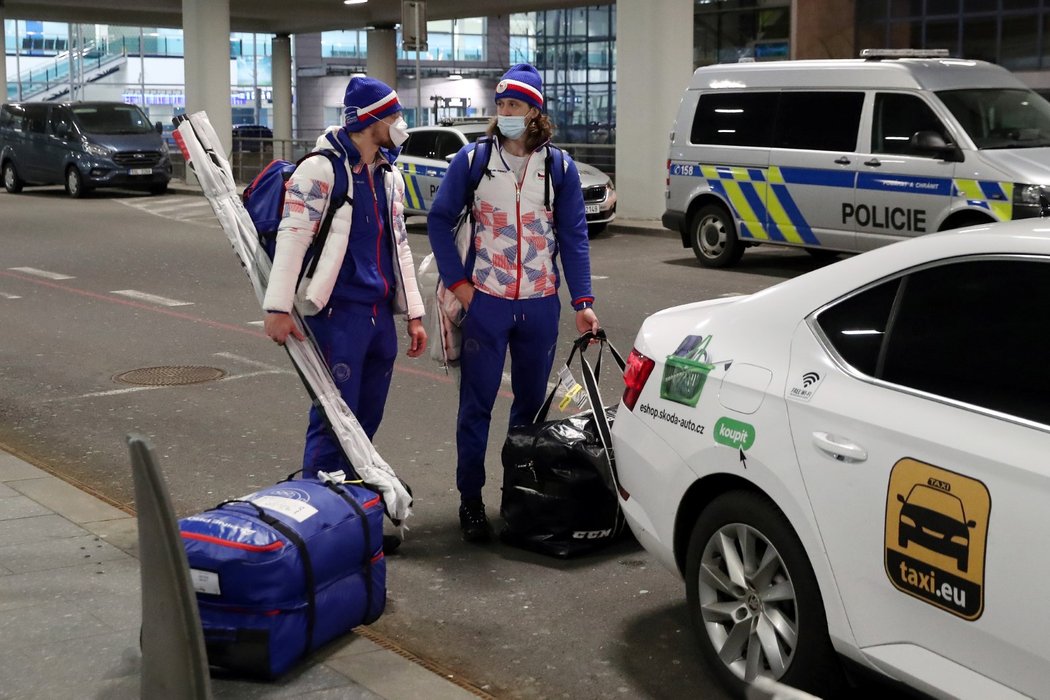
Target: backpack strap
[(479, 166), (339, 197), (552, 173)]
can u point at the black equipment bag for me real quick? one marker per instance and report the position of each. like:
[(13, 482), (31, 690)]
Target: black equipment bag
[(560, 490)]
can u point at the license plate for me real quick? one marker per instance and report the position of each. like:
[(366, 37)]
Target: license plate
[(140, 171), (591, 208)]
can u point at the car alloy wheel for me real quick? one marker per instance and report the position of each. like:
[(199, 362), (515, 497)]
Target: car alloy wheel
[(754, 600), (714, 238), (748, 603), (75, 183), (12, 183)]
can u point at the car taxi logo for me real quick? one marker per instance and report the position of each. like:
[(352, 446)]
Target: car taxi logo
[(936, 531)]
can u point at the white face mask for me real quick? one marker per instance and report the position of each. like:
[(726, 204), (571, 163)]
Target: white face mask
[(511, 127), (399, 132)]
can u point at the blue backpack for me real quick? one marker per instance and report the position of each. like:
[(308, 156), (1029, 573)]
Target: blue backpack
[(264, 201)]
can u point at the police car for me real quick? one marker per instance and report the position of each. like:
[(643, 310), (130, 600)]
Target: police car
[(853, 464), (425, 157), (848, 155)]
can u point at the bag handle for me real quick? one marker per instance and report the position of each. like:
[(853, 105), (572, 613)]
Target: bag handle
[(581, 344)]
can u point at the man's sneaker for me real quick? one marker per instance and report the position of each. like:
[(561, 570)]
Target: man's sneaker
[(473, 522)]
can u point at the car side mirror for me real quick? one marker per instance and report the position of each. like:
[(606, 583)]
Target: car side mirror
[(971, 523), (900, 498), (159, 127), (62, 130), (933, 143)]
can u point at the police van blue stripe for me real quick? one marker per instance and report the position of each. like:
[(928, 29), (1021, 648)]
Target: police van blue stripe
[(759, 207), (816, 176), (992, 190), (792, 210), (891, 182), (756, 174)]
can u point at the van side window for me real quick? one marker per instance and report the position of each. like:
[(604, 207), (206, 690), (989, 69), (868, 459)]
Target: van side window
[(61, 121), (734, 119), (898, 117), (818, 121), (36, 119)]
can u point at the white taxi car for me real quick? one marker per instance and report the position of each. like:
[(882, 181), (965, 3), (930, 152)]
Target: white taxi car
[(425, 157), (854, 463)]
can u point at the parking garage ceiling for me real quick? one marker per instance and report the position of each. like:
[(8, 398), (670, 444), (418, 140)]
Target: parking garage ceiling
[(268, 16)]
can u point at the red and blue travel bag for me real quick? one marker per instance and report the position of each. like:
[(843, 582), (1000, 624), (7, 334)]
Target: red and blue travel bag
[(282, 571)]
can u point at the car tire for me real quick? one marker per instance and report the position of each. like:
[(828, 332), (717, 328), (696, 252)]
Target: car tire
[(595, 229), (158, 189), (767, 617), (12, 183), (713, 236), (75, 186)]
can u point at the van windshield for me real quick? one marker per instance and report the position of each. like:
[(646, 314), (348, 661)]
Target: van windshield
[(111, 119), (1001, 118)]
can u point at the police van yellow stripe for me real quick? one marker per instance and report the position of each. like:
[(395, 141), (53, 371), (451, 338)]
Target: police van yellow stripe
[(761, 199)]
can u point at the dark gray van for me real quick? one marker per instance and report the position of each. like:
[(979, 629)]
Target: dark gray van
[(82, 145)]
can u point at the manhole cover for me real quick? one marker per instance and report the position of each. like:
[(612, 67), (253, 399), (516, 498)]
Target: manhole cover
[(170, 376)]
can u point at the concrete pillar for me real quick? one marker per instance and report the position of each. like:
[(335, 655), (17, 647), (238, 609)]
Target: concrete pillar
[(206, 32), (281, 70), (3, 57), (382, 56), (382, 65), (654, 61)]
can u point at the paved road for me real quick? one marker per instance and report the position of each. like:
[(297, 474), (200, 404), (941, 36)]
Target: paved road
[(90, 290)]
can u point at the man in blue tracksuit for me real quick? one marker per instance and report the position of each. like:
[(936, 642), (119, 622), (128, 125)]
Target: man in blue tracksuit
[(509, 283), (365, 273)]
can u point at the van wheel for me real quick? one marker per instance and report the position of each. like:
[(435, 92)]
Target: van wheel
[(754, 601), (75, 186), (12, 183), (714, 238)]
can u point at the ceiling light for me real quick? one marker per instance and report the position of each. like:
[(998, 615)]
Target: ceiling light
[(354, 2)]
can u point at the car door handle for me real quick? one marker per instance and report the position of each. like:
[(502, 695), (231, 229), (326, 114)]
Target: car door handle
[(874, 162), (839, 447), (842, 160)]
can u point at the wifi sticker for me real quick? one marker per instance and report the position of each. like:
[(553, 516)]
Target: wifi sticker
[(805, 385)]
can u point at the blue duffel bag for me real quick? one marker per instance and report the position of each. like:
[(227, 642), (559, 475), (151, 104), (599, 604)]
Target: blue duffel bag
[(282, 571)]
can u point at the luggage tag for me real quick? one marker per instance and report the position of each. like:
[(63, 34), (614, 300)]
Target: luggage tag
[(574, 392)]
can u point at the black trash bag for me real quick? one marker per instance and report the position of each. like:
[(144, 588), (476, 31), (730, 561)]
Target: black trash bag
[(559, 484)]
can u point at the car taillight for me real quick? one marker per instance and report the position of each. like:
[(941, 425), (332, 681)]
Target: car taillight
[(639, 367)]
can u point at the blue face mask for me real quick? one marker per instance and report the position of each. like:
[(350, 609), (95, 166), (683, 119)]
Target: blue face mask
[(511, 127)]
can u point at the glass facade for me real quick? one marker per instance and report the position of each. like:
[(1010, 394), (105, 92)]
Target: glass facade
[(1013, 33), (575, 51), (350, 43), (451, 40), (725, 31)]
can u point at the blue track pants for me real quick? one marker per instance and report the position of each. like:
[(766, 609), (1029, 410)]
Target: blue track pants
[(360, 349), (529, 327)]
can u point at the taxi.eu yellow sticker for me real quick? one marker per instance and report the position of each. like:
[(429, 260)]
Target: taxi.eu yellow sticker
[(936, 531)]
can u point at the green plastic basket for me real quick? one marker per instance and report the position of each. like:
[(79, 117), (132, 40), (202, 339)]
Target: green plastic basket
[(684, 379)]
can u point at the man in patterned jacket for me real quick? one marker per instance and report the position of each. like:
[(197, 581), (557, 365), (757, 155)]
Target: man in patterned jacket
[(509, 283), (366, 272)]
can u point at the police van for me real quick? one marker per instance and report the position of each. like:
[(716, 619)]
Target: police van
[(851, 154)]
